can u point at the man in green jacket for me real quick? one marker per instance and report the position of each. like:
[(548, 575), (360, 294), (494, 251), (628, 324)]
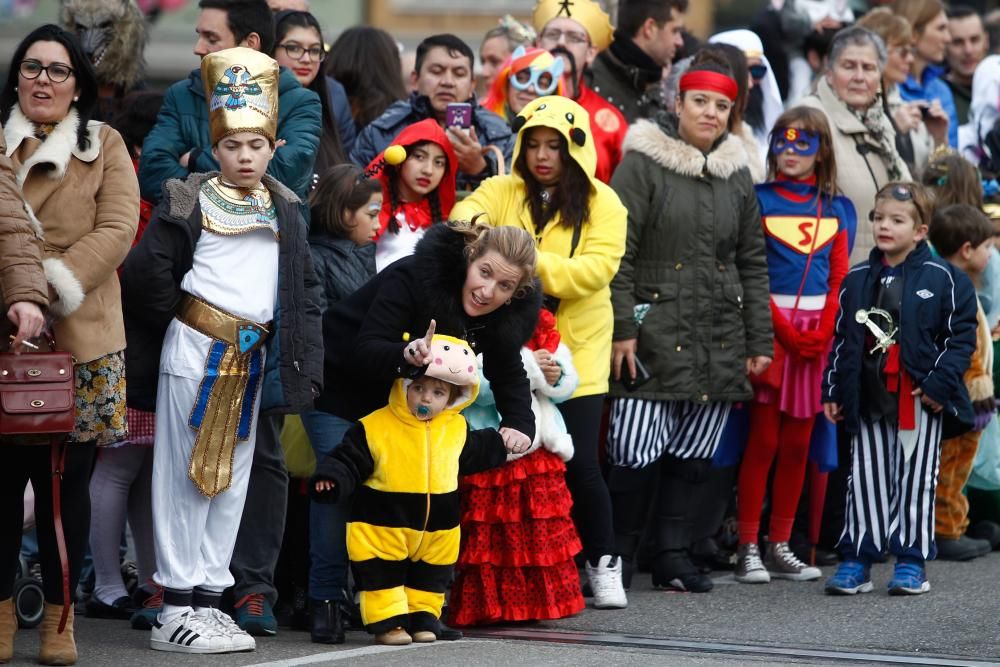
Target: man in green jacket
[(628, 73), (179, 143)]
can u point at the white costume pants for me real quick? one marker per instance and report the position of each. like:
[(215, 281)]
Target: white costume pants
[(194, 534)]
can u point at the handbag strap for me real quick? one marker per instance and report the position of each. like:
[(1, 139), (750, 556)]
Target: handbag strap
[(58, 446), (812, 250)]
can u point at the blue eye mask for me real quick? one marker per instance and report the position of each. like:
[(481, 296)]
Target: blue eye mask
[(545, 80), (801, 142)]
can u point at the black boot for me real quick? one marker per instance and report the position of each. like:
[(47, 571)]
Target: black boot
[(679, 488), (327, 626)]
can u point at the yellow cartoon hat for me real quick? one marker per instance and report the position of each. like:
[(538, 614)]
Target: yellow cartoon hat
[(241, 86), (587, 13), (565, 117)]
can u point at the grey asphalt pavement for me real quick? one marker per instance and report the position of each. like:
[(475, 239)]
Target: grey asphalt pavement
[(957, 623)]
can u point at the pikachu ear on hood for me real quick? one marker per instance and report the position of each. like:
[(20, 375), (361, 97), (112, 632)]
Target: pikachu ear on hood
[(565, 117)]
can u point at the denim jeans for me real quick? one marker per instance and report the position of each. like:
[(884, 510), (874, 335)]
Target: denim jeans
[(327, 522)]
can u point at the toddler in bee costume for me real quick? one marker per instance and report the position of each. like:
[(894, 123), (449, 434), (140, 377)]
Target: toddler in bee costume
[(402, 464)]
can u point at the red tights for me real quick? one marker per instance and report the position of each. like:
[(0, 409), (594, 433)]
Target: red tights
[(772, 434)]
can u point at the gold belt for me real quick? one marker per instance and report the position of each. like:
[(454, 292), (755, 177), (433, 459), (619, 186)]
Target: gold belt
[(224, 408), (217, 323)]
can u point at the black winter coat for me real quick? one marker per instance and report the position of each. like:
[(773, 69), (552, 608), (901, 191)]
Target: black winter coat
[(341, 266), (370, 326), (151, 294), (937, 336)]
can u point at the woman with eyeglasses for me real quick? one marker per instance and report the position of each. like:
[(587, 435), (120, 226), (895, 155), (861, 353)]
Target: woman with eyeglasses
[(77, 178), (921, 127), (298, 45)]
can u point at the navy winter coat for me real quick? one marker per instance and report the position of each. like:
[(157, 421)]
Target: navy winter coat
[(182, 126), (937, 335)]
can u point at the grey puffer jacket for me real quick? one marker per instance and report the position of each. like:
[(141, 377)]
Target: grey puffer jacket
[(695, 254)]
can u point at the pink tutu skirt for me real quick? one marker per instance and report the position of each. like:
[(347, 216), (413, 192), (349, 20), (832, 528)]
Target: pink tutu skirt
[(801, 392)]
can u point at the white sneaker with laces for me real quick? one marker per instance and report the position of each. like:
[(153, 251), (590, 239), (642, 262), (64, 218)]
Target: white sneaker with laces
[(188, 633), (606, 583), (242, 641)]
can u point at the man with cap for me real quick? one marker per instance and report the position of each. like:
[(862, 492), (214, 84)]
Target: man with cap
[(577, 31), (629, 71), (223, 253)]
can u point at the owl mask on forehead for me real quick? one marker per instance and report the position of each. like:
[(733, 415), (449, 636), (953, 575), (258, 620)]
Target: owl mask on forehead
[(241, 86)]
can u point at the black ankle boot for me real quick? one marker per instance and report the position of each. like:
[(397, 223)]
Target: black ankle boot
[(327, 626)]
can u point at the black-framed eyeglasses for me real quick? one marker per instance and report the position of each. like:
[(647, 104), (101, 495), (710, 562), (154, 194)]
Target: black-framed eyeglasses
[(57, 72), (295, 51)]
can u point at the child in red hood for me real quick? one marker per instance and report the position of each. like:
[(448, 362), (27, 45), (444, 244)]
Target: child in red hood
[(417, 172)]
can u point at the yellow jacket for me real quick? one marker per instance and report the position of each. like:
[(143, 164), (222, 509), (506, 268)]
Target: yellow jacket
[(581, 282)]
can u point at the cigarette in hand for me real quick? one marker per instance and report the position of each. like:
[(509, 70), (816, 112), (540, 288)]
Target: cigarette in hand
[(25, 343)]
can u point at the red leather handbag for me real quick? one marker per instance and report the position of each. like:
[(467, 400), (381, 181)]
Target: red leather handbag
[(37, 393), (38, 397)]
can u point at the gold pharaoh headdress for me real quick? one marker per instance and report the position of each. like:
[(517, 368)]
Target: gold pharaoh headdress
[(241, 86), (587, 13)]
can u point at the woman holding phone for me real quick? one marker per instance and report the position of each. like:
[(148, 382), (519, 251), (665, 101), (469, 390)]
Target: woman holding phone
[(578, 224), (691, 305)]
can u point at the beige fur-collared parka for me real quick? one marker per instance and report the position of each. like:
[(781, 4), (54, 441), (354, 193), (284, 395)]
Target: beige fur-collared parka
[(84, 206)]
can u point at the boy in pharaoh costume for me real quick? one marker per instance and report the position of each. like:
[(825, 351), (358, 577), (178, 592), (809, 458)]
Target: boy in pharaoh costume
[(221, 256)]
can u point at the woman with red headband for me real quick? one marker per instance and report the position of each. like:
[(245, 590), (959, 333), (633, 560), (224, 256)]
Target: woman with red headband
[(692, 318)]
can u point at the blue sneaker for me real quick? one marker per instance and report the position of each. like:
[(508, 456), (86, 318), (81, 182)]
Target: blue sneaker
[(851, 578), (909, 579), (255, 616)]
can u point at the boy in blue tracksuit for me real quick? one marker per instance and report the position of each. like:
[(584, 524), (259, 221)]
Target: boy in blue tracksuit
[(905, 334)]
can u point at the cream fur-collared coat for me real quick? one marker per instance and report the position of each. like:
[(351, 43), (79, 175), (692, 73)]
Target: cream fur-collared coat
[(695, 265), (84, 206)]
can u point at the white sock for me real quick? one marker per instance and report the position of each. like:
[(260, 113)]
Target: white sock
[(170, 612)]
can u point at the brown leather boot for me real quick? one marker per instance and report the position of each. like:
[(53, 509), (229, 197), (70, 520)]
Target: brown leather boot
[(56, 648), (8, 626)]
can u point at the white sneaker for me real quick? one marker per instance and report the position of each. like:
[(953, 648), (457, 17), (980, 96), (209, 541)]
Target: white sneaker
[(188, 633), (606, 583), (242, 641)]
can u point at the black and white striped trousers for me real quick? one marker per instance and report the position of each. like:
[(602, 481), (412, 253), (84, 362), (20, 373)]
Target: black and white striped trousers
[(641, 431), (890, 498)]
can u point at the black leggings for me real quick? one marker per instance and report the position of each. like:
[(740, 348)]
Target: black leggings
[(591, 501), (24, 462)]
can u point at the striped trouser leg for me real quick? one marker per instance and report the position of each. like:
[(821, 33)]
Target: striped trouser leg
[(694, 429), (912, 526), (869, 491), (637, 432)]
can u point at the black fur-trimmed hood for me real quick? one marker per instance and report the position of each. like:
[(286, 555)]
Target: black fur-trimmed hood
[(441, 265)]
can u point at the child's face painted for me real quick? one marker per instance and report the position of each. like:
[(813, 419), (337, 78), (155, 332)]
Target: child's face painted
[(422, 171), (243, 158), (896, 228), (795, 152), (427, 397), (363, 222)]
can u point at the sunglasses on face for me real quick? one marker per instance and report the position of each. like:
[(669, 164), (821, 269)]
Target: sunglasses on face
[(758, 72), (57, 72)]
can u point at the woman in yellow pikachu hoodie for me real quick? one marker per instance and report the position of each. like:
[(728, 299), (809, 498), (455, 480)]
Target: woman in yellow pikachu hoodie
[(401, 463), (579, 225)]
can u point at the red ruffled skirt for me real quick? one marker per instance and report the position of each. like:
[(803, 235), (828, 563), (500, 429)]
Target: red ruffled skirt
[(518, 543)]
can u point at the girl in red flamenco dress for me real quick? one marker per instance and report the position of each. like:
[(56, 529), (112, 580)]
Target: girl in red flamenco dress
[(518, 540)]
